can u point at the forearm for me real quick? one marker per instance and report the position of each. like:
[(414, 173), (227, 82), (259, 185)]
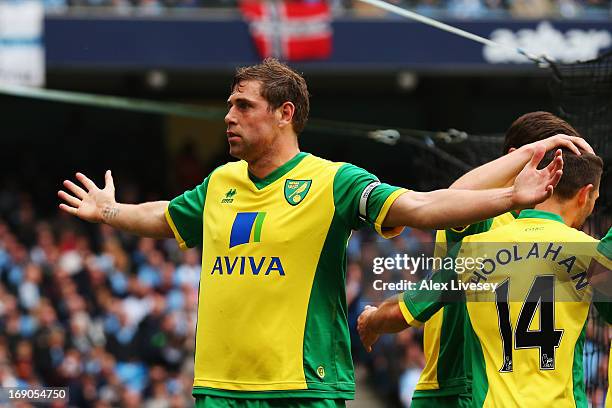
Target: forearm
[(497, 173), (146, 219), (387, 318), (448, 208)]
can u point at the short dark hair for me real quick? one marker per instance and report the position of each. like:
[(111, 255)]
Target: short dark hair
[(578, 171), (279, 84), (534, 126)]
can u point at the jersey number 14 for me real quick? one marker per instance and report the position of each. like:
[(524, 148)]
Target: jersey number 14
[(541, 295)]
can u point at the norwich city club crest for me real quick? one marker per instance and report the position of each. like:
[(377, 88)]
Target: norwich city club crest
[(296, 190)]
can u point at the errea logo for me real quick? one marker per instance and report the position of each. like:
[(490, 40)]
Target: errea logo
[(229, 196)]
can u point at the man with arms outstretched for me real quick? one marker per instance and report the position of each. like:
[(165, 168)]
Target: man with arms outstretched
[(272, 327)]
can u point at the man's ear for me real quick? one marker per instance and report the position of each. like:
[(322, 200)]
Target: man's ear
[(510, 150), (584, 193), (287, 110)]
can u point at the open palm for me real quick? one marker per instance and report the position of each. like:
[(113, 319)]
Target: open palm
[(92, 203)]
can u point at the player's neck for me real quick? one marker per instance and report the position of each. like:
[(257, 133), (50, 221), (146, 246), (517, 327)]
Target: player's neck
[(273, 158), (563, 209)]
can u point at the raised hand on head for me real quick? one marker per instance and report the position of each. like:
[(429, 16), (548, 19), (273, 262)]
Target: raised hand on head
[(533, 185)]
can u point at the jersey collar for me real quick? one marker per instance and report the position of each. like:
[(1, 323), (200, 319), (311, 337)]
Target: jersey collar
[(278, 173), (540, 214)]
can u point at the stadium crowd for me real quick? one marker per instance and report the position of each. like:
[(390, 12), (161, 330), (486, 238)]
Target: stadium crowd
[(112, 316), (461, 9)]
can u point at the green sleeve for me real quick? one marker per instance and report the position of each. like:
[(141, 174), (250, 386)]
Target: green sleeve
[(605, 245), (185, 215), (424, 301), (349, 185), (454, 235), (449, 238)]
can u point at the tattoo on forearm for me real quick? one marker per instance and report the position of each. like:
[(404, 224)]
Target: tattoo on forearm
[(109, 212)]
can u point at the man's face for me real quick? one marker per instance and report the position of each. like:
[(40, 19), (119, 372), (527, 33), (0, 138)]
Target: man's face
[(251, 125)]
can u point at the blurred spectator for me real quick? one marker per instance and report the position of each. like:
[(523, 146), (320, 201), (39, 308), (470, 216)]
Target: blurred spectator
[(531, 8), (467, 8), (29, 294), (189, 271)]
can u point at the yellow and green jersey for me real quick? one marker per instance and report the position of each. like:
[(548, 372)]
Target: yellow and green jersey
[(446, 370), (272, 314), (526, 331)]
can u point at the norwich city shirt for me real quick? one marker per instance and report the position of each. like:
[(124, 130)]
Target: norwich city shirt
[(272, 310), (446, 371), (527, 303)]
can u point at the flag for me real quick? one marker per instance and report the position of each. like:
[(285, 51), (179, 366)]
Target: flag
[(290, 30)]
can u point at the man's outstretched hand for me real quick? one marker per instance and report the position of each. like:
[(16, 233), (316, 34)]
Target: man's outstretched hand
[(90, 204), (532, 186)]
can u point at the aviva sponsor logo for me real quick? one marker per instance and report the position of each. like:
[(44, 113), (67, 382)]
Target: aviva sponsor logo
[(265, 265), (247, 229)]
